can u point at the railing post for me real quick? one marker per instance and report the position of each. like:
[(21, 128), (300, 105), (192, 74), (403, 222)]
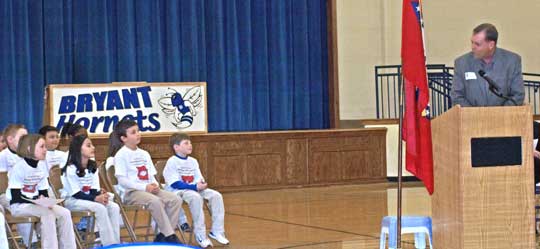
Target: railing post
[(377, 90)]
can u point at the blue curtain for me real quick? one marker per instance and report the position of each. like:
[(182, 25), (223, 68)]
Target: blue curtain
[(265, 62)]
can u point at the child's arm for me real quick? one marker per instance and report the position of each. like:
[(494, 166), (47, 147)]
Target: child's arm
[(3, 163), (16, 196), (89, 197), (198, 174), (151, 169), (182, 185), (127, 184)]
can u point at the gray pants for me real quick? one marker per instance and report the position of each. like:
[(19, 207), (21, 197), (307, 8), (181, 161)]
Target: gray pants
[(195, 201), (107, 218), (23, 229), (50, 218), (164, 207)]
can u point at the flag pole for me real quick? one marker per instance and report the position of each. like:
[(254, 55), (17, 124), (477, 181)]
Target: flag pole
[(400, 158)]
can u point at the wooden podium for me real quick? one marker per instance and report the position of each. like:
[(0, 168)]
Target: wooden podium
[(484, 178)]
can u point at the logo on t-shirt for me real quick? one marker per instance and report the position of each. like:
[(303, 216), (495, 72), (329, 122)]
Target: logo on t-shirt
[(29, 188), (187, 179), (142, 173), (86, 189)]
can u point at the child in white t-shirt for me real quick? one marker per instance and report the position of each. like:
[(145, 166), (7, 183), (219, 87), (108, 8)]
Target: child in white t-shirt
[(8, 156), (81, 184), (28, 181), (135, 172), (183, 177), (54, 156), (8, 159)]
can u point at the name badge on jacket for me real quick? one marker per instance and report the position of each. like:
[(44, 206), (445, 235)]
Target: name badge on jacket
[(470, 76)]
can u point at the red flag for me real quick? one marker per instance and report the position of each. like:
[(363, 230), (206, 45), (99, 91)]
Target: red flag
[(416, 121)]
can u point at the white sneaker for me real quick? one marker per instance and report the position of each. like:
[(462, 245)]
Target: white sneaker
[(219, 237), (203, 241)]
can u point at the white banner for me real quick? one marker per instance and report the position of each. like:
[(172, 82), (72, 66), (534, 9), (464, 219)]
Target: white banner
[(156, 107)]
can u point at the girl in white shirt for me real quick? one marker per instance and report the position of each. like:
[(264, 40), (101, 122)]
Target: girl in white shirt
[(81, 184), (28, 181), (8, 159)]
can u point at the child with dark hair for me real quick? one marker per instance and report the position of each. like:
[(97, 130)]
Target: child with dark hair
[(70, 130), (81, 184), (135, 172), (52, 139)]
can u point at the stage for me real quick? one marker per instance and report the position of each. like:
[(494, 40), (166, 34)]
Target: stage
[(333, 217)]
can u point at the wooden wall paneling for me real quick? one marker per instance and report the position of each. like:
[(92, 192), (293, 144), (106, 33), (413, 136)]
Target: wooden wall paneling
[(296, 166), (200, 152), (227, 171), (277, 159)]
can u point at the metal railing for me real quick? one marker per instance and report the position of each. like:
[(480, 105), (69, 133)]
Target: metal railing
[(388, 88)]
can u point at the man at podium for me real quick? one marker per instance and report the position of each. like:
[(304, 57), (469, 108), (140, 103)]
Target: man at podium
[(488, 75)]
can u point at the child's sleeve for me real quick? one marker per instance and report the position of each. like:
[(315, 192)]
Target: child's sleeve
[(151, 168), (169, 173), (3, 163), (120, 166), (198, 174), (71, 185), (95, 182), (127, 184), (63, 159), (14, 179), (182, 185), (44, 183)]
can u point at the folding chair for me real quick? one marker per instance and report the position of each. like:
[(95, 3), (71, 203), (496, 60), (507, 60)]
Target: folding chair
[(10, 220), (133, 227), (102, 172), (89, 235), (537, 208)]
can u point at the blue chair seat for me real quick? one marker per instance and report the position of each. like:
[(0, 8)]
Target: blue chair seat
[(419, 225)]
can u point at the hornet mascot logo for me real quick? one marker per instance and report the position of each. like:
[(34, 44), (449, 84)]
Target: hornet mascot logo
[(181, 109)]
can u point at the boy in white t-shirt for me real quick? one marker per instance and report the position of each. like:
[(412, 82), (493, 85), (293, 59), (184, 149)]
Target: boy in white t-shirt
[(8, 156), (183, 177), (135, 172), (114, 146), (52, 139)]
